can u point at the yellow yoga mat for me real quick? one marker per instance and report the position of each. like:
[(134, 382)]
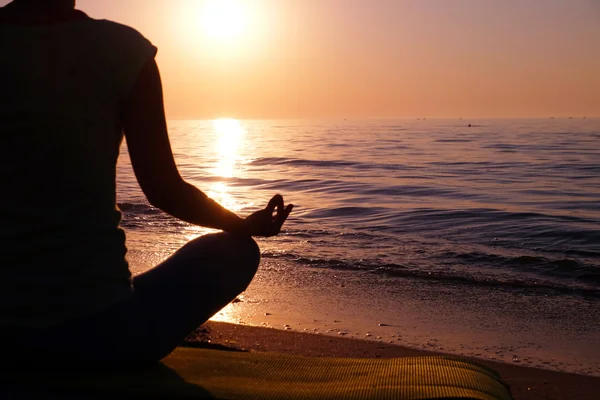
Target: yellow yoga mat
[(198, 373)]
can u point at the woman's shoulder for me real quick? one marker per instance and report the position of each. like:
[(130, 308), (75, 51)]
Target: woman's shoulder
[(119, 40), (121, 47), (114, 29)]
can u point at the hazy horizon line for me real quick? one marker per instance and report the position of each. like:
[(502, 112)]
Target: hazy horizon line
[(210, 118)]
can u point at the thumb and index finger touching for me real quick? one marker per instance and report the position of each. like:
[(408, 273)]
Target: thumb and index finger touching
[(276, 202)]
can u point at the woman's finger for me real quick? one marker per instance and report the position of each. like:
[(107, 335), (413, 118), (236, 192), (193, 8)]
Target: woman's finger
[(275, 202), (282, 216)]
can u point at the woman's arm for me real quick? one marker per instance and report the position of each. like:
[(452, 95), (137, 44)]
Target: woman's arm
[(155, 169)]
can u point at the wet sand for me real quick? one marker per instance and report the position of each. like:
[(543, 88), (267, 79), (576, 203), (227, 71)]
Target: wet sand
[(533, 330), (525, 383)]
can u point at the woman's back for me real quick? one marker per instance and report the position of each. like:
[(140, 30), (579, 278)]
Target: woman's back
[(62, 253)]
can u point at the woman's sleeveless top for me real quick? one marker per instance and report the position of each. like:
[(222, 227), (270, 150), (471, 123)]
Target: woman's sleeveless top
[(62, 89)]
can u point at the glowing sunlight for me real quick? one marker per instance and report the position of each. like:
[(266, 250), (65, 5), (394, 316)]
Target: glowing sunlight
[(218, 27), (223, 19), (229, 313)]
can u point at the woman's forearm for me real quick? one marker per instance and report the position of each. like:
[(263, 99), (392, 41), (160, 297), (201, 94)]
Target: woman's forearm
[(188, 203)]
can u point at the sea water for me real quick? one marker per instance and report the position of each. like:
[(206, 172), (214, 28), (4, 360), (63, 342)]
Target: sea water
[(479, 237)]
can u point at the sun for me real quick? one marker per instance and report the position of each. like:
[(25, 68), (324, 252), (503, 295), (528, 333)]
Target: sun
[(222, 29), (223, 19)]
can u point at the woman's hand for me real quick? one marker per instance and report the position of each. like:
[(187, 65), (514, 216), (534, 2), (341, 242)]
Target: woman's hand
[(263, 222)]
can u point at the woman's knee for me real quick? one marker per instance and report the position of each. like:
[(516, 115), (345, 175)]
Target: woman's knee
[(249, 250), (246, 259), (223, 261), (221, 243), (225, 251)]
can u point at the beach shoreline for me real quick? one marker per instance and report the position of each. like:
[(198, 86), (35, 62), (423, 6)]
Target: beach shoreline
[(536, 330), (525, 382)]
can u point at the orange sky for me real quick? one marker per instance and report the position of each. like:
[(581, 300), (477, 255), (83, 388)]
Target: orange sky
[(374, 58)]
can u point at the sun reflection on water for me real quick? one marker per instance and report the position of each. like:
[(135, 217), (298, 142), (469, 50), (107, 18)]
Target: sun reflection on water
[(230, 136)]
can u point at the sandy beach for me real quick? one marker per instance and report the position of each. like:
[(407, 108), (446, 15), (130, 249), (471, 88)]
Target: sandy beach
[(525, 383)]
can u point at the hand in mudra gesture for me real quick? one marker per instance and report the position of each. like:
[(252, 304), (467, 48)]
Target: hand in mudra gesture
[(264, 222)]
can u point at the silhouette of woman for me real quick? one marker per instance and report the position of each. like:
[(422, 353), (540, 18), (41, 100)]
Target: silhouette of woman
[(71, 88)]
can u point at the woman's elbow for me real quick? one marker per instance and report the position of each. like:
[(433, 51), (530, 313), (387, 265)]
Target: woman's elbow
[(163, 196)]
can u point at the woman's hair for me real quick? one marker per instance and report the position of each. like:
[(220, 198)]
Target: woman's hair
[(47, 5)]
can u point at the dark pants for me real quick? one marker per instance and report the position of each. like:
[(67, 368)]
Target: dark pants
[(169, 302)]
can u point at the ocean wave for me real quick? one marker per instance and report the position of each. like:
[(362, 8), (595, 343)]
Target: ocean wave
[(562, 268), (453, 140), (301, 162), (450, 276), (144, 217), (489, 215), (139, 208)]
